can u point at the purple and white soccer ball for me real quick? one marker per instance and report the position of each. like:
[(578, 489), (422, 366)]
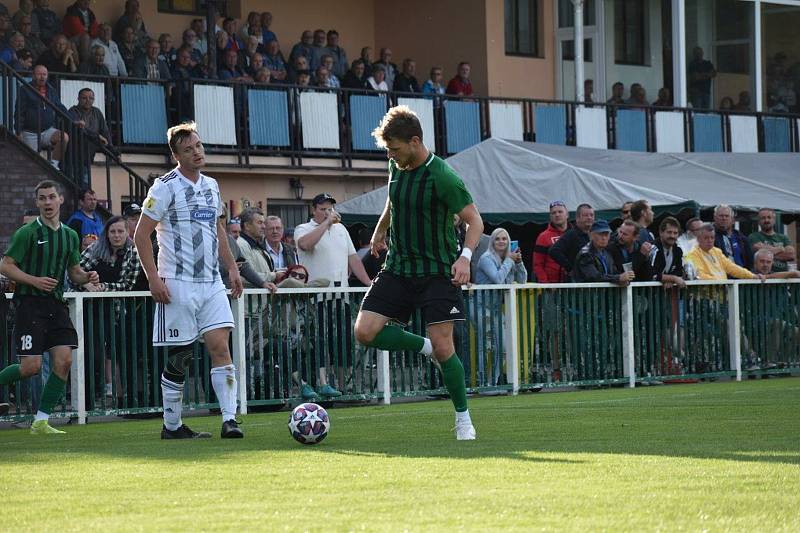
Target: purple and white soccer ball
[(309, 423)]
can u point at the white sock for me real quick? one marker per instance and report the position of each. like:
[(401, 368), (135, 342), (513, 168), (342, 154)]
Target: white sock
[(223, 378), (427, 348), (40, 416), (463, 418), (172, 394)]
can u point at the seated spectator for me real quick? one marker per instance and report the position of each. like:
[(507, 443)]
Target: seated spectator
[(96, 65), (274, 61), (251, 243), (629, 254), (726, 104), (588, 91), (44, 21), (500, 265), (59, 57), (283, 255), (322, 77), (594, 263), (130, 50), (253, 64), (37, 123), (638, 95), (86, 220), (252, 27), (15, 44), (710, 263), (317, 49), (251, 46), (149, 66), (32, 41), (688, 239), (377, 81), (405, 81), (337, 53), (229, 70), (221, 44), (303, 78), (776, 243), (24, 62), (233, 42), (744, 102), (81, 26), (730, 240), (668, 264), (5, 28), (389, 68), (302, 49), (113, 58), (189, 38), (90, 119), (460, 85), (25, 10), (664, 98), (168, 53), (356, 77), (266, 34), (132, 18), (366, 58), (566, 249), (300, 64), (433, 85), (764, 264), (262, 76), (643, 215), (333, 80), (617, 94), (198, 27), (546, 268)]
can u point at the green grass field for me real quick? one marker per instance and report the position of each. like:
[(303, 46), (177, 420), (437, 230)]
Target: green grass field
[(716, 457)]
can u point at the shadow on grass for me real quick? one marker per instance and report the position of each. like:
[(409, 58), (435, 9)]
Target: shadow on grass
[(745, 422)]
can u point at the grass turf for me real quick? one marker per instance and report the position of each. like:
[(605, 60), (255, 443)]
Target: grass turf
[(721, 456)]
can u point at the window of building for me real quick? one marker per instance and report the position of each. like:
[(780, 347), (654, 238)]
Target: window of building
[(566, 13), (292, 213), (522, 27), (188, 7), (629, 32)]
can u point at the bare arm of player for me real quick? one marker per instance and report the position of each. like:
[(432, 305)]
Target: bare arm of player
[(460, 268), (357, 268), (378, 242), (78, 276), (9, 268), (144, 247), (226, 256)]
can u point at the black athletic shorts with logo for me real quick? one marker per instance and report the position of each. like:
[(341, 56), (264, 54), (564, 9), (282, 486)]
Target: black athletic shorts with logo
[(397, 297), (40, 323)]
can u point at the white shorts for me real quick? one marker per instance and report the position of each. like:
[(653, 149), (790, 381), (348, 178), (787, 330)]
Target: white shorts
[(39, 141), (194, 309)]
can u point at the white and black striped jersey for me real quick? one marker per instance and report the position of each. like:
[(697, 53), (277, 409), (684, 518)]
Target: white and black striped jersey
[(187, 216)]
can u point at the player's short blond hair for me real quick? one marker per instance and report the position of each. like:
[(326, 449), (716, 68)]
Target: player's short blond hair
[(179, 133)]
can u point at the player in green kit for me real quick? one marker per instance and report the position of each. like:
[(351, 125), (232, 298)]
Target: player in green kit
[(39, 255), (423, 268)]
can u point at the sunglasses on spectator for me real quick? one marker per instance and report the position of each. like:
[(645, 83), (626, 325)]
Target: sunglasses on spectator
[(557, 203), (297, 275)]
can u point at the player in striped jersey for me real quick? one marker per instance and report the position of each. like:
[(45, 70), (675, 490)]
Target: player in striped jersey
[(40, 254), (423, 268), (184, 208)]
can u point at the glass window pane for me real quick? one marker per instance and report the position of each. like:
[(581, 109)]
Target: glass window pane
[(566, 13), (568, 50), (781, 52)]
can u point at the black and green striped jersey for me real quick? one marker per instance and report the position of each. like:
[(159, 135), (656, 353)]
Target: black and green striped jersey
[(422, 240), (42, 251)]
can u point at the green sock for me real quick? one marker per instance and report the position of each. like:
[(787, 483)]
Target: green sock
[(396, 338), (52, 393), (9, 374), (453, 375)]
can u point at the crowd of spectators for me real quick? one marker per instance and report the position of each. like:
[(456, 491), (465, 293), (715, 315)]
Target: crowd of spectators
[(246, 51)]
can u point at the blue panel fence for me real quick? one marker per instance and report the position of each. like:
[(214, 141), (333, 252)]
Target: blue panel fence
[(707, 130), (551, 124), (462, 120), (269, 117), (366, 113), (144, 115), (631, 130)]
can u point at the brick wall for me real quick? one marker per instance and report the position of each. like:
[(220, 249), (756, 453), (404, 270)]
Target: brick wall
[(19, 174)]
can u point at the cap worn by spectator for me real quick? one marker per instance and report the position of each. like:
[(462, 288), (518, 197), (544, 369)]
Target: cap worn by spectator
[(132, 210), (600, 226), (322, 198)]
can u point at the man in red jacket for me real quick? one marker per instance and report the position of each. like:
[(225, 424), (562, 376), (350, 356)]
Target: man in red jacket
[(460, 84), (81, 26), (546, 268)]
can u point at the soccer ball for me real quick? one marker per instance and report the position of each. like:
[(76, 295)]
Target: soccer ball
[(309, 423)]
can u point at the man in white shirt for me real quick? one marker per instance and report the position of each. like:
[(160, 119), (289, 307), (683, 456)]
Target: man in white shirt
[(113, 59), (326, 250), (283, 255)]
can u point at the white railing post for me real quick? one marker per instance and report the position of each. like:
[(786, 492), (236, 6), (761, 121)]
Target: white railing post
[(734, 329), (239, 354), (384, 377), (512, 340), (628, 355), (78, 371)]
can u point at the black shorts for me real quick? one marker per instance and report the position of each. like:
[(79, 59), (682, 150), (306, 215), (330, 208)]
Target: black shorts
[(41, 323), (396, 297)]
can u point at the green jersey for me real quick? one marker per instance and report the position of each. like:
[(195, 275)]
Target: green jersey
[(44, 252), (776, 239), (422, 240)]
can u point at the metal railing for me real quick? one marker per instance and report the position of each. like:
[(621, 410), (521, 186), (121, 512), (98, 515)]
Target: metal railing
[(514, 338)]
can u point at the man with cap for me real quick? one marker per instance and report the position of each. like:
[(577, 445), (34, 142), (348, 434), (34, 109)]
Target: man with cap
[(325, 248), (595, 263)]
